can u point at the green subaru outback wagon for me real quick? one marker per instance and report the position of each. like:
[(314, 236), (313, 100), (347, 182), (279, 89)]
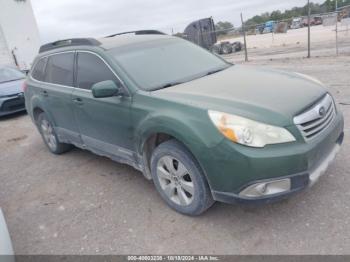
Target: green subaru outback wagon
[(202, 129)]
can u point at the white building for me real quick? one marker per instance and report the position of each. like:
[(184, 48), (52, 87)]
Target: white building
[(19, 35)]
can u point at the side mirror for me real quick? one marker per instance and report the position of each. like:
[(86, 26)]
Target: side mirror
[(106, 89)]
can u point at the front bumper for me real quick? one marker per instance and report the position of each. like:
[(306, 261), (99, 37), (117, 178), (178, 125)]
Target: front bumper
[(298, 182), (12, 104), (231, 168)]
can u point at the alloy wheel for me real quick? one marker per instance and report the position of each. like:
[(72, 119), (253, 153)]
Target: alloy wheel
[(175, 180), (48, 134)]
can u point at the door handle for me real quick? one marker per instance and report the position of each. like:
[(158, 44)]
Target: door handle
[(78, 100), (44, 93)]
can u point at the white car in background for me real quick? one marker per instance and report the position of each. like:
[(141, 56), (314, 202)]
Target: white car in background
[(296, 23), (5, 241)]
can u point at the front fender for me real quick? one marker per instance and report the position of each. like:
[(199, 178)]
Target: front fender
[(194, 130), (197, 134)]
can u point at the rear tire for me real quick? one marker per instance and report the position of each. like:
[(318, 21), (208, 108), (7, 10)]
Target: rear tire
[(49, 136), (179, 179)]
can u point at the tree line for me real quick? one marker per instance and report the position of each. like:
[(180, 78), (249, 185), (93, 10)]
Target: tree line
[(277, 15)]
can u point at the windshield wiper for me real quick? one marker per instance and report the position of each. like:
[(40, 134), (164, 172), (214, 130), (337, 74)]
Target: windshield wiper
[(189, 79), (215, 71), (167, 85)]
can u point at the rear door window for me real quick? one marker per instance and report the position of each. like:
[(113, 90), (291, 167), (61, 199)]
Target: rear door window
[(92, 70), (59, 69), (39, 70)]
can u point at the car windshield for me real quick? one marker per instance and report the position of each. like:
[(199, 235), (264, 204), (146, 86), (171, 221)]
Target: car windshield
[(167, 62), (8, 74)]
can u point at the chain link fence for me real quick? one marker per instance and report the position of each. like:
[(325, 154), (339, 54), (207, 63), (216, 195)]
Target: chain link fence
[(329, 35)]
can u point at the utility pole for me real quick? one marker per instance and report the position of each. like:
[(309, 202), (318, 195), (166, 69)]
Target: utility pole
[(308, 30), (336, 27), (245, 40)]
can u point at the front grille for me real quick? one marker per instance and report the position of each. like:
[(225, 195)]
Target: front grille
[(318, 118), (13, 104)]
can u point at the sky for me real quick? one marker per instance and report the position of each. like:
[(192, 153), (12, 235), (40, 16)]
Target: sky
[(61, 19)]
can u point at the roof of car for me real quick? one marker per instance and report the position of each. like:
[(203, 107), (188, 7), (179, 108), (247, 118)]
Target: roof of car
[(128, 39), (109, 42)]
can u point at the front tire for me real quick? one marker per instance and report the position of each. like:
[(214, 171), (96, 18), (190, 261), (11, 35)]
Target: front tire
[(49, 136), (179, 179)]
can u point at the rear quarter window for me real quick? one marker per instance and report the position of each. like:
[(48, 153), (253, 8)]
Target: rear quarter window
[(59, 69), (38, 72)]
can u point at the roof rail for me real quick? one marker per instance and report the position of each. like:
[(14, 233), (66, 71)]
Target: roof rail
[(139, 32), (69, 42)]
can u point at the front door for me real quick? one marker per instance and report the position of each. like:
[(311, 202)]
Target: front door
[(104, 123)]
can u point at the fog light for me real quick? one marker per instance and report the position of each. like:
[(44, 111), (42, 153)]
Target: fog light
[(266, 188)]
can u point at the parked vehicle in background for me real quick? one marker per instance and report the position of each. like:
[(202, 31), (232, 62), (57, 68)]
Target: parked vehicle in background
[(318, 20), (269, 27), (265, 28), (259, 29), (315, 20), (11, 91), (225, 47), (297, 23), (6, 249), (201, 128), (202, 32), (305, 21)]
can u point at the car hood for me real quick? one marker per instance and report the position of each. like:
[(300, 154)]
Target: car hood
[(11, 87), (261, 94)]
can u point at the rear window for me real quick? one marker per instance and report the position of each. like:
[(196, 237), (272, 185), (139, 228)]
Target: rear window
[(38, 72), (59, 69)]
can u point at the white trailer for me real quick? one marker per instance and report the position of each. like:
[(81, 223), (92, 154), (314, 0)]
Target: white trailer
[(19, 35)]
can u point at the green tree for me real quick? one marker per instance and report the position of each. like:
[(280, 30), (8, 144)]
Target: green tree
[(276, 15), (327, 6), (223, 27)]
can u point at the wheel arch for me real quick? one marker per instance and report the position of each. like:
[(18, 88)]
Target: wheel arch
[(155, 136), (37, 110), (37, 107)]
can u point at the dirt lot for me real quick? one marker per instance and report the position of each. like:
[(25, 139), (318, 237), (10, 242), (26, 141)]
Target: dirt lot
[(79, 203)]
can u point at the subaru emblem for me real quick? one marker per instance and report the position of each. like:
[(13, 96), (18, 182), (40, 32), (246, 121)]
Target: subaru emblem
[(322, 111)]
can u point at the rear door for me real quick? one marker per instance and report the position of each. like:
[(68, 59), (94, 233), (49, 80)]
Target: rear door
[(104, 123), (57, 92)]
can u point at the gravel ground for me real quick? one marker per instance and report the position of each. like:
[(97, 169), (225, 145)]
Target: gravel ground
[(79, 203)]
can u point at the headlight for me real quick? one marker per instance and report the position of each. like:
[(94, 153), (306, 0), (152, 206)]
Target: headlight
[(248, 132)]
